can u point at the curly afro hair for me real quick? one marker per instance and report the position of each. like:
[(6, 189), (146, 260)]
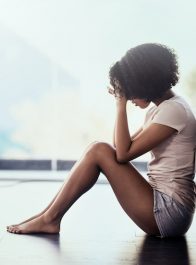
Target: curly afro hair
[(146, 71)]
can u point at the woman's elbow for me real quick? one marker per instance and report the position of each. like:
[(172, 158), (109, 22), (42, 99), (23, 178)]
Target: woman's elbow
[(122, 159)]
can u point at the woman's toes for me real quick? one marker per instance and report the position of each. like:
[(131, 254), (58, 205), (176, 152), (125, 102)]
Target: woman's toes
[(11, 229), (37, 225), (8, 228)]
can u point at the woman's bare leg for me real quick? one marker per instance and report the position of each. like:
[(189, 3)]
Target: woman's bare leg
[(132, 191), (43, 211), (74, 171), (39, 214)]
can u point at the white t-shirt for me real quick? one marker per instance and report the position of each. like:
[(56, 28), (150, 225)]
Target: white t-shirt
[(171, 169)]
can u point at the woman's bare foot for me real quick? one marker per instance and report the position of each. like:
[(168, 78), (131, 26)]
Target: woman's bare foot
[(27, 220), (37, 215), (37, 225)]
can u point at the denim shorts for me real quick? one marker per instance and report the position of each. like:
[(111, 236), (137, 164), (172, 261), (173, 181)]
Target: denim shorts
[(172, 218)]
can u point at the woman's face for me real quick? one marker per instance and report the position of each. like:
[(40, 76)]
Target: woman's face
[(142, 103)]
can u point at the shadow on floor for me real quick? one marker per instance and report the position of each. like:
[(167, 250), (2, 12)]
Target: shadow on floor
[(163, 251)]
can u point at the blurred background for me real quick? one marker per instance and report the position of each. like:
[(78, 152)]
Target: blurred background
[(54, 61)]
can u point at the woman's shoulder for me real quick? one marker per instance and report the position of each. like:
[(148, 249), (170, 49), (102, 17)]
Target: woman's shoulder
[(177, 106), (176, 101), (168, 107)]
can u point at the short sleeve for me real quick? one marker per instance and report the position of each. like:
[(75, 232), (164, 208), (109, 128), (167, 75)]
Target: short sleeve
[(171, 114), (148, 116)]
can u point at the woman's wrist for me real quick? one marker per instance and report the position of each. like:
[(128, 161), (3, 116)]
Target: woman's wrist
[(121, 103)]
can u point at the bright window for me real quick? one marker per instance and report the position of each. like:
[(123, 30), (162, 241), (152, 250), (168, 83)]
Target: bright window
[(55, 57)]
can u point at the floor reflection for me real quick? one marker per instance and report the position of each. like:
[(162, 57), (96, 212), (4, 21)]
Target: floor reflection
[(47, 242), (163, 251), (149, 250)]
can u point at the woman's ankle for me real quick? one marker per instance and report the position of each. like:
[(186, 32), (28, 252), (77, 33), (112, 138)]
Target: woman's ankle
[(49, 218)]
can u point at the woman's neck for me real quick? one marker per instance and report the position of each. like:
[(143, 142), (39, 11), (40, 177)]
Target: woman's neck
[(169, 94)]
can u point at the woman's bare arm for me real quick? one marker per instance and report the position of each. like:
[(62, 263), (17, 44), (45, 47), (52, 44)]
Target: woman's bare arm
[(129, 148), (122, 136), (111, 91), (132, 136), (136, 133)]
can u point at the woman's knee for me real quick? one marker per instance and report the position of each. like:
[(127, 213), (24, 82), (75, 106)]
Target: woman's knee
[(99, 150)]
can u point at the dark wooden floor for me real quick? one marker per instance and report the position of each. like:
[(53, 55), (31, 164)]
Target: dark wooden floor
[(94, 231)]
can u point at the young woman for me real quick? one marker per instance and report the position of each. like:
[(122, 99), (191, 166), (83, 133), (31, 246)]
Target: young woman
[(164, 205)]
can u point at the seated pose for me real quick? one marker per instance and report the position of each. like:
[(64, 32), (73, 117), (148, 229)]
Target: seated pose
[(164, 205)]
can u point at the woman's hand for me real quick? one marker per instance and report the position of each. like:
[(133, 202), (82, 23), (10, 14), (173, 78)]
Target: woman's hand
[(121, 136), (120, 100)]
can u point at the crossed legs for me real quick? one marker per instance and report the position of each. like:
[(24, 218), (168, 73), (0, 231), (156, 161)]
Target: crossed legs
[(133, 192)]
